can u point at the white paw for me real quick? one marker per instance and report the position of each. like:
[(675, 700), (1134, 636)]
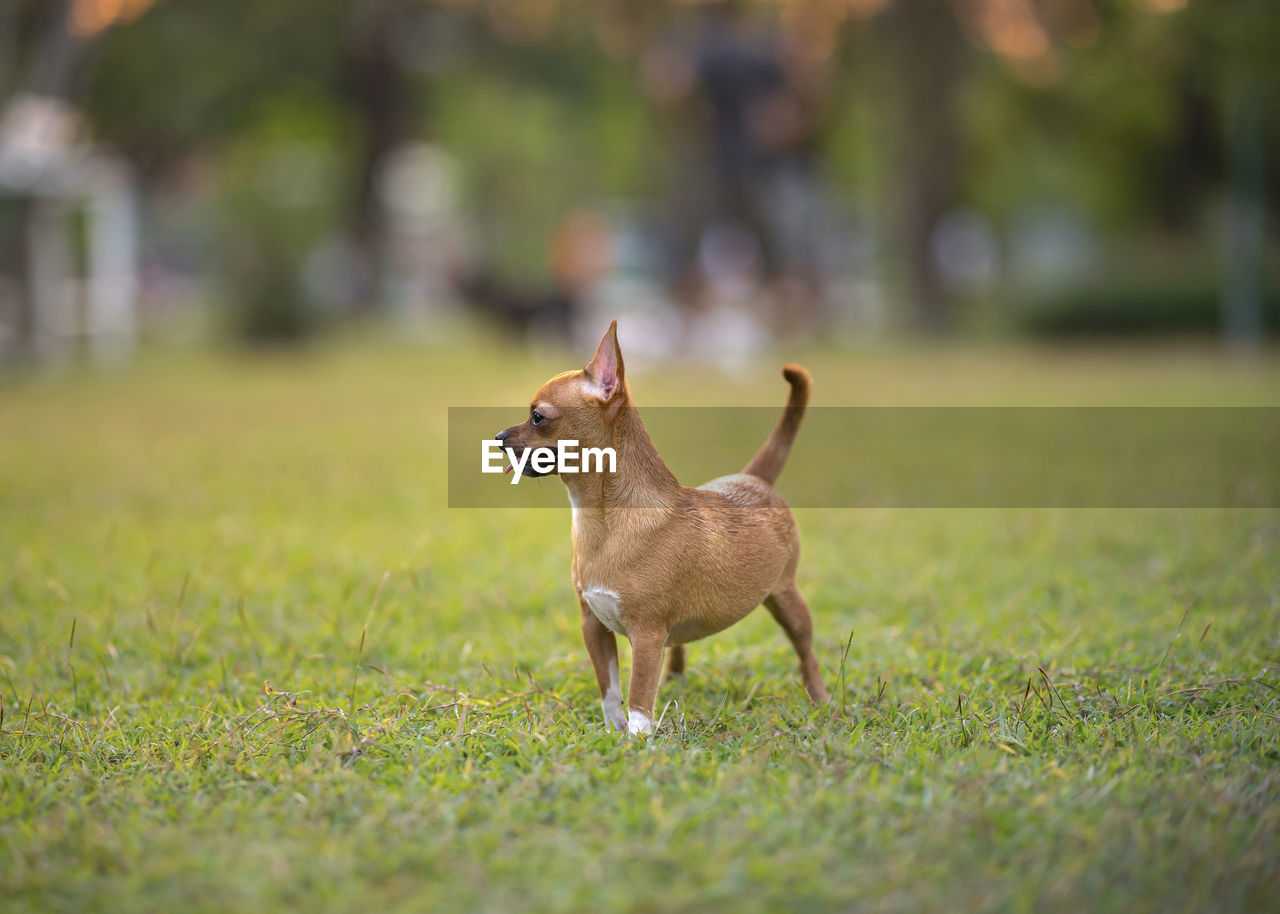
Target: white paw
[(614, 717), (639, 722)]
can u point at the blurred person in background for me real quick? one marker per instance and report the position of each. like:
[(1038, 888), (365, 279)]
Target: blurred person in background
[(741, 107)]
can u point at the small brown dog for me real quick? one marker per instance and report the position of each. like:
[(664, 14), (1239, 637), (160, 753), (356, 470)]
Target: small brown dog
[(657, 562)]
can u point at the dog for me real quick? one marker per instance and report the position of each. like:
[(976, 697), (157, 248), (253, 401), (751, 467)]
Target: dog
[(654, 561)]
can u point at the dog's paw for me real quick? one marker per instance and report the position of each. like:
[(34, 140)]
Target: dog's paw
[(615, 718), (639, 723)]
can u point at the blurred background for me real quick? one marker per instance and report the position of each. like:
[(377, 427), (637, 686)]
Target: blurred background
[(269, 170)]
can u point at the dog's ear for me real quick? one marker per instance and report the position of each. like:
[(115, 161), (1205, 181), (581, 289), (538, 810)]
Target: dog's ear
[(605, 371)]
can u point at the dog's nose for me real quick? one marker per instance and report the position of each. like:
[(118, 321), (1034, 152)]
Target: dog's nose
[(502, 435)]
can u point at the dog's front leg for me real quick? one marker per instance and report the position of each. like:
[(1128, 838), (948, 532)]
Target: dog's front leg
[(646, 673), (602, 645)]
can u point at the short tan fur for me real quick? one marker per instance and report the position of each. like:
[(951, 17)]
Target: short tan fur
[(657, 562)]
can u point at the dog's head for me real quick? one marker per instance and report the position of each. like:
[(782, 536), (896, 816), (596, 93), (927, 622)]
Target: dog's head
[(577, 405)]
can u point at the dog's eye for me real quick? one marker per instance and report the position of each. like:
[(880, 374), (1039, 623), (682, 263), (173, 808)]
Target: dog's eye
[(537, 417)]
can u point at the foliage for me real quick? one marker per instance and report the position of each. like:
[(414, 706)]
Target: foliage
[(533, 142), (1129, 308), (1128, 126), (249, 659)]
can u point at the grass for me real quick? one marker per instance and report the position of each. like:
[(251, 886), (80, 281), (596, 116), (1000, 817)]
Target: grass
[(249, 660)]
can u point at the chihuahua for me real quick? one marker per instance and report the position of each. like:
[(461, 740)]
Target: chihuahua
[(654, 561)]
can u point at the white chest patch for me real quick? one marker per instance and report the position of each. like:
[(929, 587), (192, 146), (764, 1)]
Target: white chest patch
[(607, 606)]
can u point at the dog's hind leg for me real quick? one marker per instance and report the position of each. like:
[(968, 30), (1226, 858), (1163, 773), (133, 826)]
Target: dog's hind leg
[(675, 661), (789, 608)]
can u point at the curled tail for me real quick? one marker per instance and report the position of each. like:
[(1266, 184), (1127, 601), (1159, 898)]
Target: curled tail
[(769, 460)]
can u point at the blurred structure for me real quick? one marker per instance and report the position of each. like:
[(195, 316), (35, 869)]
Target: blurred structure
[(425, 237), (1245, 231), (63, 288), (68, 225)]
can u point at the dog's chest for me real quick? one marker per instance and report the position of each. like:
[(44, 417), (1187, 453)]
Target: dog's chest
[(607, 607)]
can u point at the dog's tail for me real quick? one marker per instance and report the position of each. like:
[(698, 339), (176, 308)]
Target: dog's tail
[(769, 460)]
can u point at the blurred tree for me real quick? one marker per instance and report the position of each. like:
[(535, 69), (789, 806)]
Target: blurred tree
[(928, 56), (201, 79), (378, 91)]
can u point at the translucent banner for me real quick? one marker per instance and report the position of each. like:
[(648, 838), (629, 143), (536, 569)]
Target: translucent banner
[(878, 457)]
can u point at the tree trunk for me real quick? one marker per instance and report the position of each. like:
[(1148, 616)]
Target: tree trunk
[(927, 49), (378, 88)]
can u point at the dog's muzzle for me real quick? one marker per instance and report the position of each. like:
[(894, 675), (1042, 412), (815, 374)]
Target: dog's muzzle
[(518, 449)]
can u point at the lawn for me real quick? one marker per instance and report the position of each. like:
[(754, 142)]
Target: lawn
[(250, 660)]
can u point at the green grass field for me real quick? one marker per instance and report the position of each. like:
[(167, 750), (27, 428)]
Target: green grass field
[(249, 660)]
